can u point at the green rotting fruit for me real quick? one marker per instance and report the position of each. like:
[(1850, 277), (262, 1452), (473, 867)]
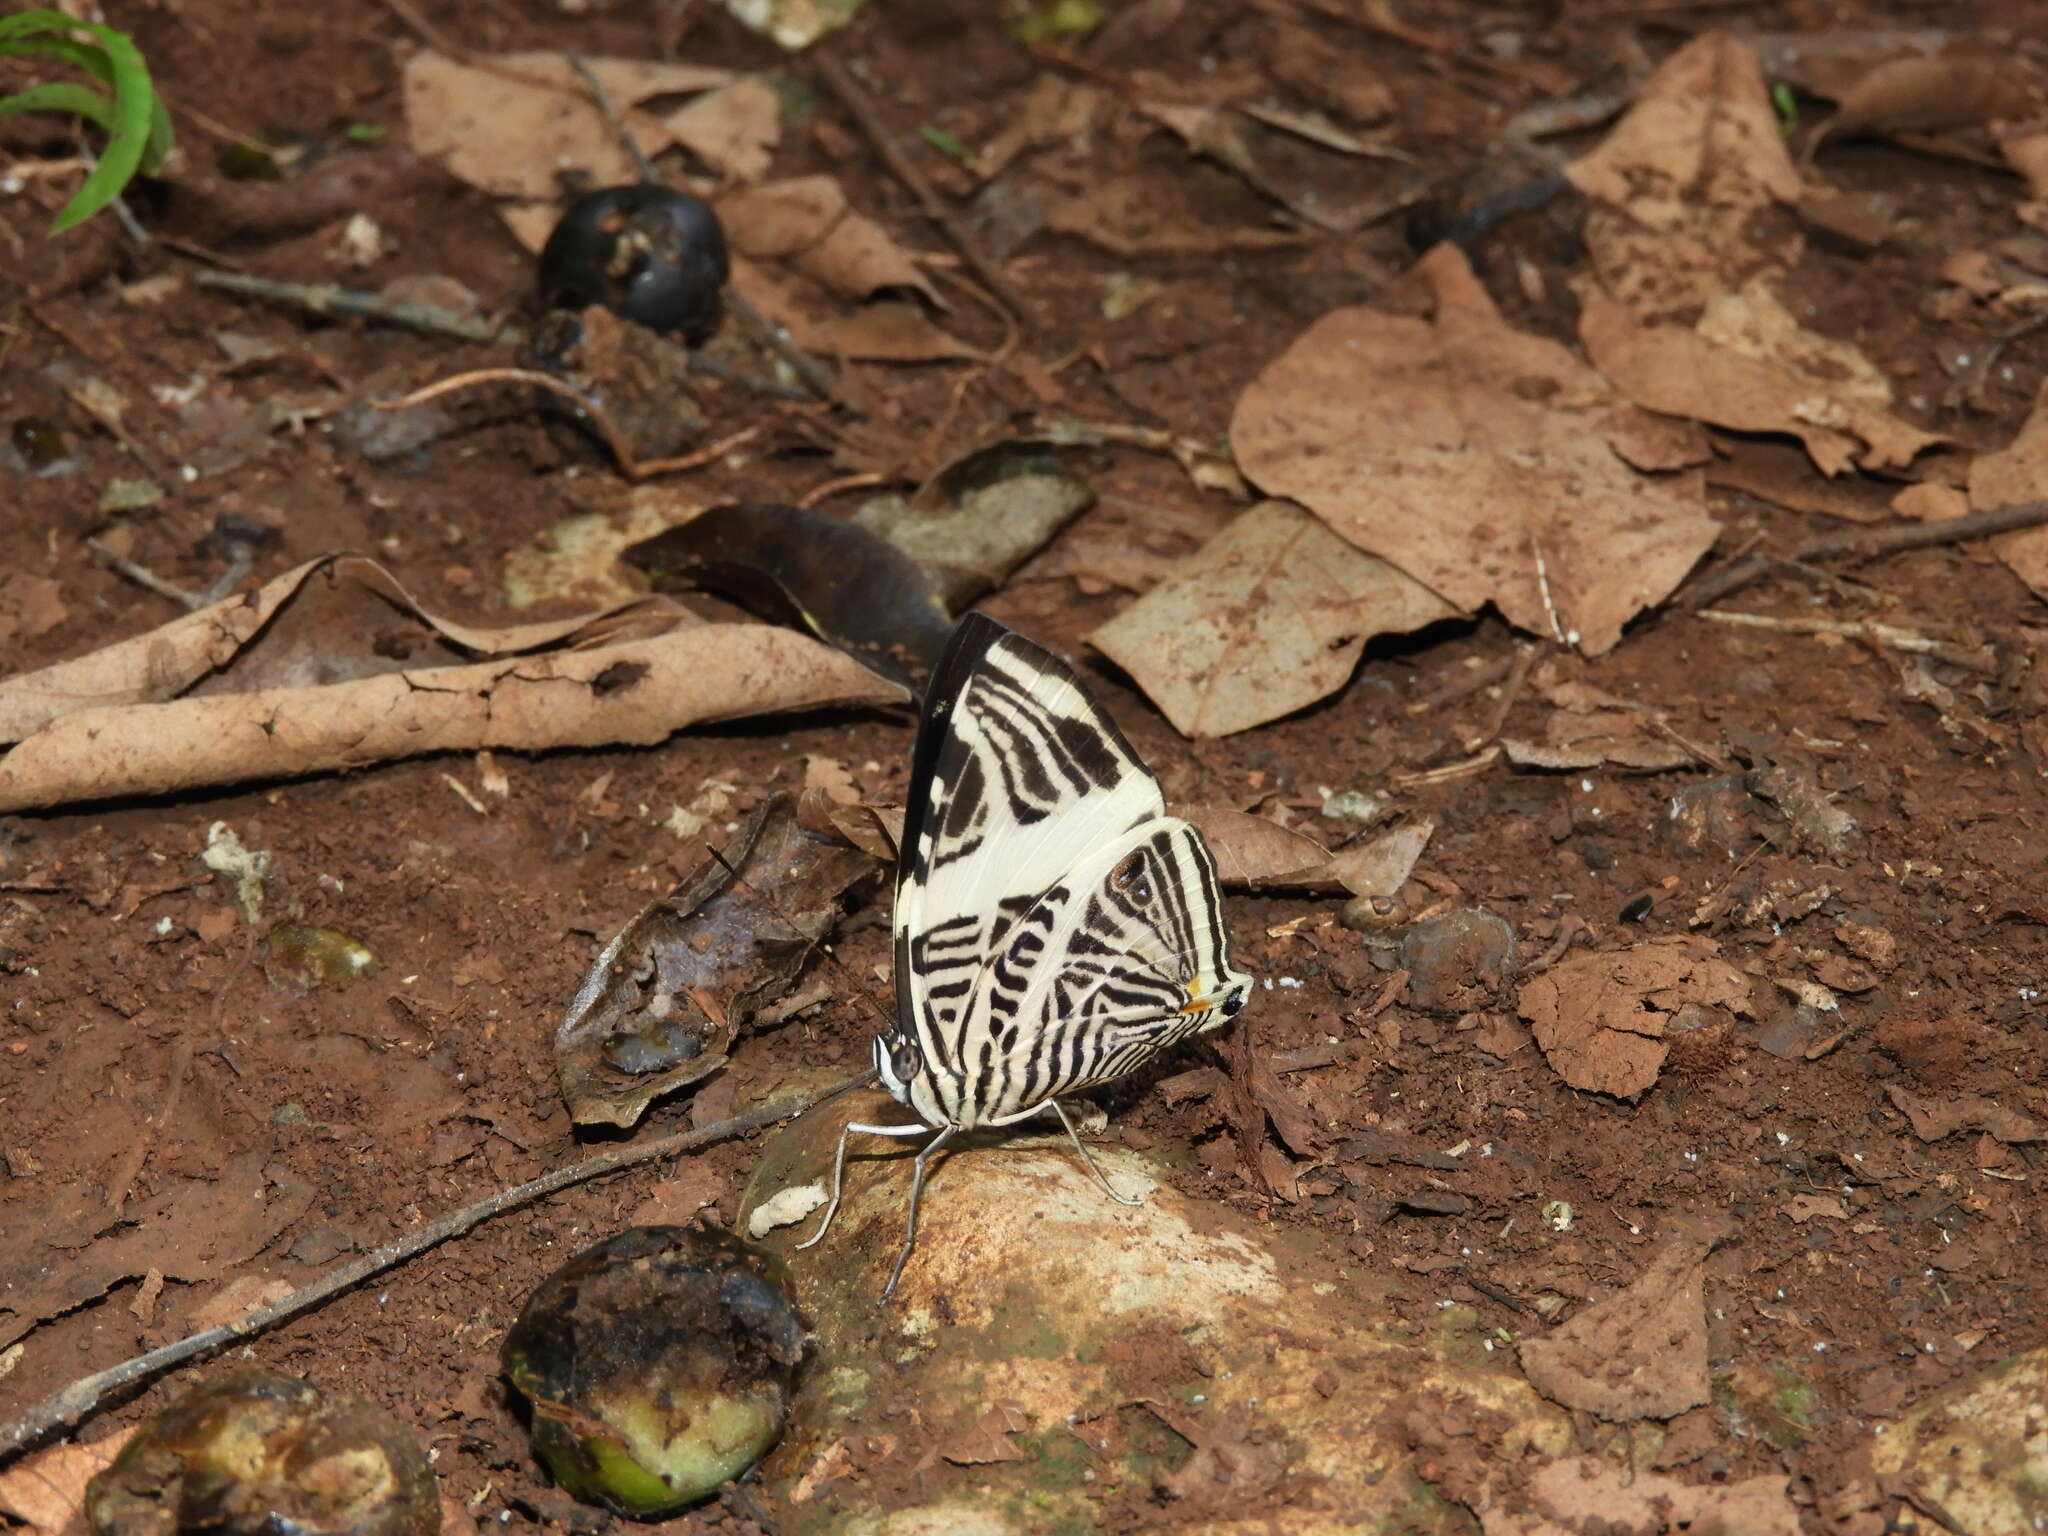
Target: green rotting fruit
[(659, 1364), (260, 1454)]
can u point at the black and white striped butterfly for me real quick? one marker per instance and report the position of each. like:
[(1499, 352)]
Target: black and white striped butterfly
[(1055, 928)]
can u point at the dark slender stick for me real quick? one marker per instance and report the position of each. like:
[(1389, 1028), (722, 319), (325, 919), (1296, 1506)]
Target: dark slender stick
[(78, 1400), (862, 107), (327, 299), (1868, 543), (610, 109)]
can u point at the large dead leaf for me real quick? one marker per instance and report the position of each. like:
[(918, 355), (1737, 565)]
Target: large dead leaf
[(1257, 853), (509, 125), (668, 996), (1640, 1354), (74, 1247), (1266, 618), (1678, 181), (1920, 95), (1487, 463), (1601, 1018), (2018, 472), (221, 696), (1748, 387)]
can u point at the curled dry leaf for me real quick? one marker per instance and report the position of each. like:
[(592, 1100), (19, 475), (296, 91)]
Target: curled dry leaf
[(2018, 472), (1640, 1354), (1494, 467), (1679, 180), (1681, 372), (668, 996), (1257, 853), (1601, 1018), (509, 124), (807, 225), (1922, 95), (128, 720), (1266, 618)]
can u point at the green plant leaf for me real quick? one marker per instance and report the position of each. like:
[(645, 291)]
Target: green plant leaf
[(132, 115), (62, 96)]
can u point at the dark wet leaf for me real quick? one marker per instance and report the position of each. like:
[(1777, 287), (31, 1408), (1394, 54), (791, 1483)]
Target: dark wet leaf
[(841, 581), (683, 980)]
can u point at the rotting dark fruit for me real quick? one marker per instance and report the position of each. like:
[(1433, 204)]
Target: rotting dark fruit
[(659, 1364), (256, 1453), (649, 253)]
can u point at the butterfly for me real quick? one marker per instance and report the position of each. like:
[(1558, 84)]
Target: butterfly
[(1054, 928)]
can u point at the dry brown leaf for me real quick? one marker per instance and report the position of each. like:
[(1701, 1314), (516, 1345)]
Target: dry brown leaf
[(1593, 738), (1600, 1018), (510, 124), (2027, 152), (1341, 79), (733, 130), (884, 331), (1256, 851), (1917, 95), (2016, 473), (1640, 1354), (1493, 465), (46, 1491), (1679, 371), (30, 607), (1680, 178), (806, 225), (633, 690), (1137, 216), (1381, 865), (1054, 110), (1269, 616)]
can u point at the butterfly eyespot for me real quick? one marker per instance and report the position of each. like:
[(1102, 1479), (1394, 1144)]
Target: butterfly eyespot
[(1121, 877), (1232, 1004)]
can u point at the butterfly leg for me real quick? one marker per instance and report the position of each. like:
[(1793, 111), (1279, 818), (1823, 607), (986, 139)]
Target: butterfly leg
[(916, 1194), (1061, 1110), (839, 1167)]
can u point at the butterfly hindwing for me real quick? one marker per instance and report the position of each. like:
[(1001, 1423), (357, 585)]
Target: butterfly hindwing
[(1023, 969)]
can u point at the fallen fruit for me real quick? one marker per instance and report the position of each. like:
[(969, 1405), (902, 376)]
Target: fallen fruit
[(256, 1453), (659, 1364), (649, 253)]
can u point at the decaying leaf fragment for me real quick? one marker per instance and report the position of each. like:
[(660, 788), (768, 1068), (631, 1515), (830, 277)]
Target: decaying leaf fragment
[(668, 996), (1493, 466), (1266, 618), (1601, 1018), (1678, 182), (1640, 1354)]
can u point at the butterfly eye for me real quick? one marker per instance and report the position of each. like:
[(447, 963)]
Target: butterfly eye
[(905, 1060)]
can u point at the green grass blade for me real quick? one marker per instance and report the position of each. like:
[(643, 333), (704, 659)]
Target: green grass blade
[(62, 96)]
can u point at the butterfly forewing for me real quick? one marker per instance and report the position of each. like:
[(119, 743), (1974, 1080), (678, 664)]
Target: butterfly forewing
[(1025, 964)]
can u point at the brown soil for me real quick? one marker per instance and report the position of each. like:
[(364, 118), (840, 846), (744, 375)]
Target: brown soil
[(145, 1043)]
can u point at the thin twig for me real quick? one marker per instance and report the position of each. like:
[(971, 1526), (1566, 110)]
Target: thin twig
[(610, 109), (328, 299), (862, 109), (1511, 690), (143, 576), (76, 1401), (1889, 635), (1867, 544), (777, 340), (630, 465)]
